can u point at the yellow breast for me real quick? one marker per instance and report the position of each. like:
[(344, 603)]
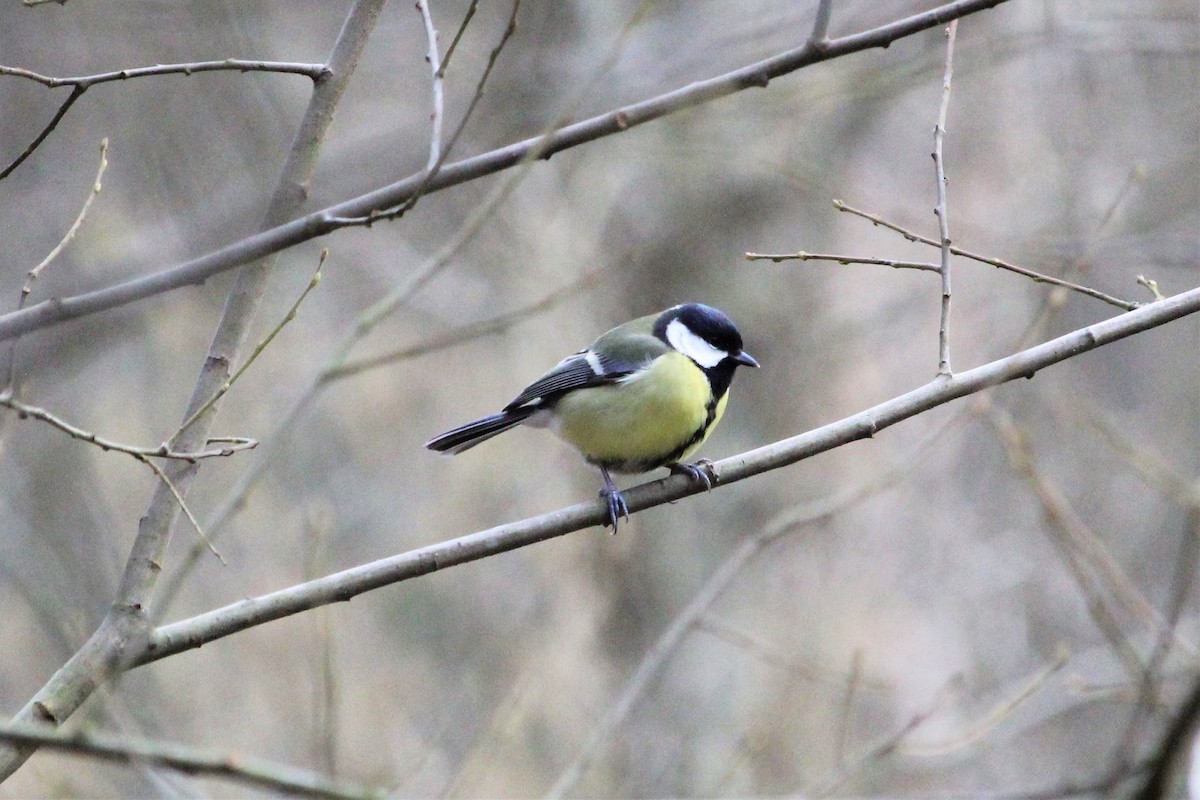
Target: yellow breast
[(654, 418)]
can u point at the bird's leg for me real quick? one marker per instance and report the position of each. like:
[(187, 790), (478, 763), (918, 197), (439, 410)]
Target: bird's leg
[(703, 471), (616, 503)]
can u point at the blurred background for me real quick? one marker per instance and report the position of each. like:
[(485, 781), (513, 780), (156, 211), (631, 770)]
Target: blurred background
[(910, 615)]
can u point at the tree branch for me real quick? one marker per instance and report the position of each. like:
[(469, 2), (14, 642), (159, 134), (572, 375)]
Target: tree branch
[(124, 627), (360, 208), (210, 626), (188, 760)]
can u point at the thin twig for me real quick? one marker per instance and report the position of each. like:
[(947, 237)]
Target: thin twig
[(76, 93), (998, 713), (162, 476), (462, 28), (259, 348), (466, 333), (883, 262), (187, 760), (82, 83), (1037, 277), (34, 273), (235, 443), (435, 69), (941, 210), (431, 171), (314, 71)]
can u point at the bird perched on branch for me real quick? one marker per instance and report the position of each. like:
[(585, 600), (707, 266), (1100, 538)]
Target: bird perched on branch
[(644, 395)]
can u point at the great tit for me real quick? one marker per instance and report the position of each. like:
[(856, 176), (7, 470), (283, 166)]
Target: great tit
[(644, 395)]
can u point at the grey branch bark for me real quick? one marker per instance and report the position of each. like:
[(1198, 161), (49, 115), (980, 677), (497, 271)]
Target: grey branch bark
[(340, 586), (125, 628), (319, 223)]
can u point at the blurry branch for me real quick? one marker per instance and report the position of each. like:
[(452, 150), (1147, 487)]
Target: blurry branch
[(126, 624), (317, 72), (258, 348), (883, 748), (174, 490), (1181, 590), (1155, 472), (467, 333), (338, 367), (691, 617), (941, 210), (341, 586), (843, 260), (764, 652), (188, 760), (820, 31), (1001, 711), (1169, 757), (435, 68), (34, 273), (1086, 553), (462, 28), (1036, 277), (318, 521), (359, 210), (1054, 300), (234, 444)]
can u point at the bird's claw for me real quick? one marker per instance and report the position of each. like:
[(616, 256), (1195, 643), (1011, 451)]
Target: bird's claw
[(616, 506), (703, 471)]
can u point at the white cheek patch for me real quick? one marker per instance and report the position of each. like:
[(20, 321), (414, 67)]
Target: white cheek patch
[(703, 353)]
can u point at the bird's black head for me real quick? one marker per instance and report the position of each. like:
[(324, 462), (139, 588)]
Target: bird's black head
[(707, 337)]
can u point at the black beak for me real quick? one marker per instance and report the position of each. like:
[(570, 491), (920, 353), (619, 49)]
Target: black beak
[(745, 359)]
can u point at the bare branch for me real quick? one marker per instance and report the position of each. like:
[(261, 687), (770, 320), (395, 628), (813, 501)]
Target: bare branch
[(321, 222), (341, 586), (942, 212), (314, 71), (53, 254), (462, 28), (76, 93), (1036, 277), (435, 69), (104, 654), (820, 31), (883, 262), (162, 476), (24, 410), (188, 760), (258, 348)]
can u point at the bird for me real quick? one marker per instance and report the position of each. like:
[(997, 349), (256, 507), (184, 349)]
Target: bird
[(644, 395)]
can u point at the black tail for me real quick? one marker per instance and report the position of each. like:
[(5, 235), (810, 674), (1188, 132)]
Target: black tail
[(467, 436)]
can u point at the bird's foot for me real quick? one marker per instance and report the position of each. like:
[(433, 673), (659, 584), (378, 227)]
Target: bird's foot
[(703, 471), (616, 505)]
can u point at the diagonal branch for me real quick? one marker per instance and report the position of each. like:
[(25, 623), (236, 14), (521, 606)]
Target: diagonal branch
[(359, 209), (341, 586)]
